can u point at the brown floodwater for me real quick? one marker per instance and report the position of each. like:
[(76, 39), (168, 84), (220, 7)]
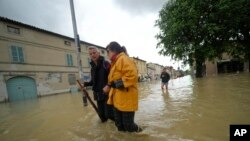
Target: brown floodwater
[(190, 110)]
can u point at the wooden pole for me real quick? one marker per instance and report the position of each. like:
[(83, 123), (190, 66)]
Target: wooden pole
[(88, 97)]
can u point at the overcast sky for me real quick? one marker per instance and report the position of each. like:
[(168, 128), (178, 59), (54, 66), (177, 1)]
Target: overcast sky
[(129, 22)]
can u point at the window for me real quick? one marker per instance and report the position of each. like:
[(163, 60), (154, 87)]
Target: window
[(72, 79), (69, 60), (13, 30), (17, 54), (68, 43), (86, 78), (89, 60), (103, 52)]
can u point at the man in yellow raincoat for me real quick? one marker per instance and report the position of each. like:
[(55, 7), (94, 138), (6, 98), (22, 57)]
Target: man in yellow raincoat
[(122, 88)]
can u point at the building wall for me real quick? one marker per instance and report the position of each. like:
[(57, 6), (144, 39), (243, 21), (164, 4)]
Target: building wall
[(155, 69), (158, 70), (3, 90), (211, 68), (141, 66), (151, 70), (151, 73), (45, 59)]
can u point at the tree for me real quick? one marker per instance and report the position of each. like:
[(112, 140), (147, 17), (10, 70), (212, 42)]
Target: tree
[(196, 30)]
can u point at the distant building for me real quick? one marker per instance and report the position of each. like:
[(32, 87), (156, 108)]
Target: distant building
[(35, 62), (141, 67), (226, 64), (171, 71), (155, 70), (151, 70)]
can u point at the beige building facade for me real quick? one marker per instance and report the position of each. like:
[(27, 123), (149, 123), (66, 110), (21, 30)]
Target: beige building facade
[(151, 70), (158, 70), (226, 64), (35, 62), (154, 70), (141, 66)]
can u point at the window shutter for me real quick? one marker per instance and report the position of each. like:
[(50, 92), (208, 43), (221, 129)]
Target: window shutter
[(71, 60), (20, 55), (14, 54), (68, 59)]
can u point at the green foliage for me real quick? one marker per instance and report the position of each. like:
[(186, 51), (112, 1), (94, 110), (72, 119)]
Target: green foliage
[(204, 29)]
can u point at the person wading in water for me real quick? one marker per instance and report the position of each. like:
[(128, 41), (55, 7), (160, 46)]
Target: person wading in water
[(122, 88)]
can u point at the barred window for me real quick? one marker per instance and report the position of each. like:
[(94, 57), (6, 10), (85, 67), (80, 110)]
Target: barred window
[(72, 79), (13, 29), (68, 43)]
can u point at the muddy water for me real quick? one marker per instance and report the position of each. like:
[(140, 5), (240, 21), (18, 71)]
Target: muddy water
[(190, 110)]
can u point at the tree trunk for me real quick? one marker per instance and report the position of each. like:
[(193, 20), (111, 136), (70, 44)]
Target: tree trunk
[(198, 68), (199, 60)]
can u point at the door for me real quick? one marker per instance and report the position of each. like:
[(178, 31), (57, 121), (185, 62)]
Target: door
[(21, 88)]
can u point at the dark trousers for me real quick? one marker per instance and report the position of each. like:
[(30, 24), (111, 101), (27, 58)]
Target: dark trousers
[(124, 121), (105, 111)]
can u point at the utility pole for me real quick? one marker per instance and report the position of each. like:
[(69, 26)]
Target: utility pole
[(78, 48)]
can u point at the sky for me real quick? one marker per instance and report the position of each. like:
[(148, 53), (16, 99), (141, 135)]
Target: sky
[(129, 22)]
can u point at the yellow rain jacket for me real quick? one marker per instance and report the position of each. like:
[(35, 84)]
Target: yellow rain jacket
[(124, 99)]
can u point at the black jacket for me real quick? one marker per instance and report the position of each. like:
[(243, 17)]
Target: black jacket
[(165, 77), (99, 78)]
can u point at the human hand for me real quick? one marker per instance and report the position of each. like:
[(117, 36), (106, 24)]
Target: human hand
[(83, 85), (106, 89)]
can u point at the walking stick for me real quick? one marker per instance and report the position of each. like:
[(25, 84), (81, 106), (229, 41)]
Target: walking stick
[(88, 97)]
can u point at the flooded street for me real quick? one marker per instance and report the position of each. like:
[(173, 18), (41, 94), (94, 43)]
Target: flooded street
[(191, 110)]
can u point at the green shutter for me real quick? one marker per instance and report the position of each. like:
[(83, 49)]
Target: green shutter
[(71, 60), (14, 54), (68, 59), (20, 55), (17, 54)]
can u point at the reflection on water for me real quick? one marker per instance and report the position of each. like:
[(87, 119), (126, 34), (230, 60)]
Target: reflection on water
[(191, 109)]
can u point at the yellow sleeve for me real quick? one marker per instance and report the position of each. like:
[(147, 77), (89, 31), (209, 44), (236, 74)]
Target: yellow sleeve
[(129, 72)]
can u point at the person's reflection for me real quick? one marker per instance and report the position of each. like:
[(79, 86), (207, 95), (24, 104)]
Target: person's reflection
[(166, 98), (165, 92)]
